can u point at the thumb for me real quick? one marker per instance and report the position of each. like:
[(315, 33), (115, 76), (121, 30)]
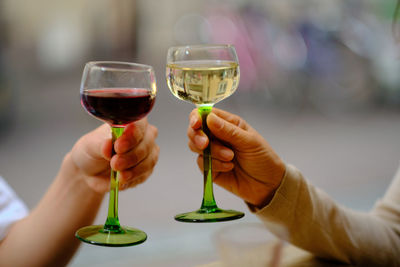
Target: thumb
[(89, 151), (229, 132)]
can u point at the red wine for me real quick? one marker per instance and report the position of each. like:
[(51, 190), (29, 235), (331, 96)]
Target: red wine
[(118, 106)]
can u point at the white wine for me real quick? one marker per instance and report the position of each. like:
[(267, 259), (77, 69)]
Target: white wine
[(203, 81), (204, 75)]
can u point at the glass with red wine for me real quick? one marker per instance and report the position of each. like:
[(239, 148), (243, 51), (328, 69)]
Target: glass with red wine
[(117, 93)]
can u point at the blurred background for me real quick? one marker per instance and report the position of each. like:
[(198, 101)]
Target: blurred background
[(320, 80)]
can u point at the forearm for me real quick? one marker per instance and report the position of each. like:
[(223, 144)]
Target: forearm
[(46, 236), (318, 224)]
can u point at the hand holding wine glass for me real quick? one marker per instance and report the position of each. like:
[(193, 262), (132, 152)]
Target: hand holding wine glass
[(244, 163), (204, 75), (135, 158), (117, 93)]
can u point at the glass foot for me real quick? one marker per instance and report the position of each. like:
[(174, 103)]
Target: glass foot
[(96, 235), (214, 215)]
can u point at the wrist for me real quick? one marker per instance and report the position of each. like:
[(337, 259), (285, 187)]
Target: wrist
[(278, 175)]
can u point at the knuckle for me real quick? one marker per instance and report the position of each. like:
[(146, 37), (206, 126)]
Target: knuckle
[(191, 146), (134, 157), (153, 130), (242, 124), (140, 154), (233, 132), (154, 160)]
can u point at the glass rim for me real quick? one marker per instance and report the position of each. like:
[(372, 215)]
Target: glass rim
[(119, 65), (202, 46), (274, 231)]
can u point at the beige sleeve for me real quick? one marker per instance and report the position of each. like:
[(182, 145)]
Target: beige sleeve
[(318, 224)]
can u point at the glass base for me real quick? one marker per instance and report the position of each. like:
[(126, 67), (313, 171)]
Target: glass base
[(96, 235), (204, 215)]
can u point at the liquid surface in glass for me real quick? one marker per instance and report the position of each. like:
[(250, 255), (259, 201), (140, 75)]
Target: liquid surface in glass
[(202, 81), (118, 106)]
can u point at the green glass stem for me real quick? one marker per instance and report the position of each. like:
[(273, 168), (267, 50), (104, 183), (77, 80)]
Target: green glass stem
[(208, 204), (209, 211), (112, 223), (112, 234)]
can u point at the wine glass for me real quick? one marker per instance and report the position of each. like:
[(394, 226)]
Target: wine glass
[(204, 75), (117, 93)]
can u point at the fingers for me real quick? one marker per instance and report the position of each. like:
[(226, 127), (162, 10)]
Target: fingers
[(134, 183), (132, 136), (195, 119), (197, 138), (232, 130), (135, 158), (138, 153), (217, 165), (232, 118), (218, 151), (139, 173), (227, 127), (107, 149)]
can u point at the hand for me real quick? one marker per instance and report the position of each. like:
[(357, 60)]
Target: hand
[(243, 161), (135, 158)]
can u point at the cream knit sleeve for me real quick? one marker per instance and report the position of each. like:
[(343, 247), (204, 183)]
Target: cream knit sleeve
[(318, 224)]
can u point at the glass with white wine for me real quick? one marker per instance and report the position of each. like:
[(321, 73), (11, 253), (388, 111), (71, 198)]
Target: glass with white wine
[(204, 75)]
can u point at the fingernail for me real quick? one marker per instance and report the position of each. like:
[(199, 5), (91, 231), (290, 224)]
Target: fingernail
[(192, 121), (227, 154)]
